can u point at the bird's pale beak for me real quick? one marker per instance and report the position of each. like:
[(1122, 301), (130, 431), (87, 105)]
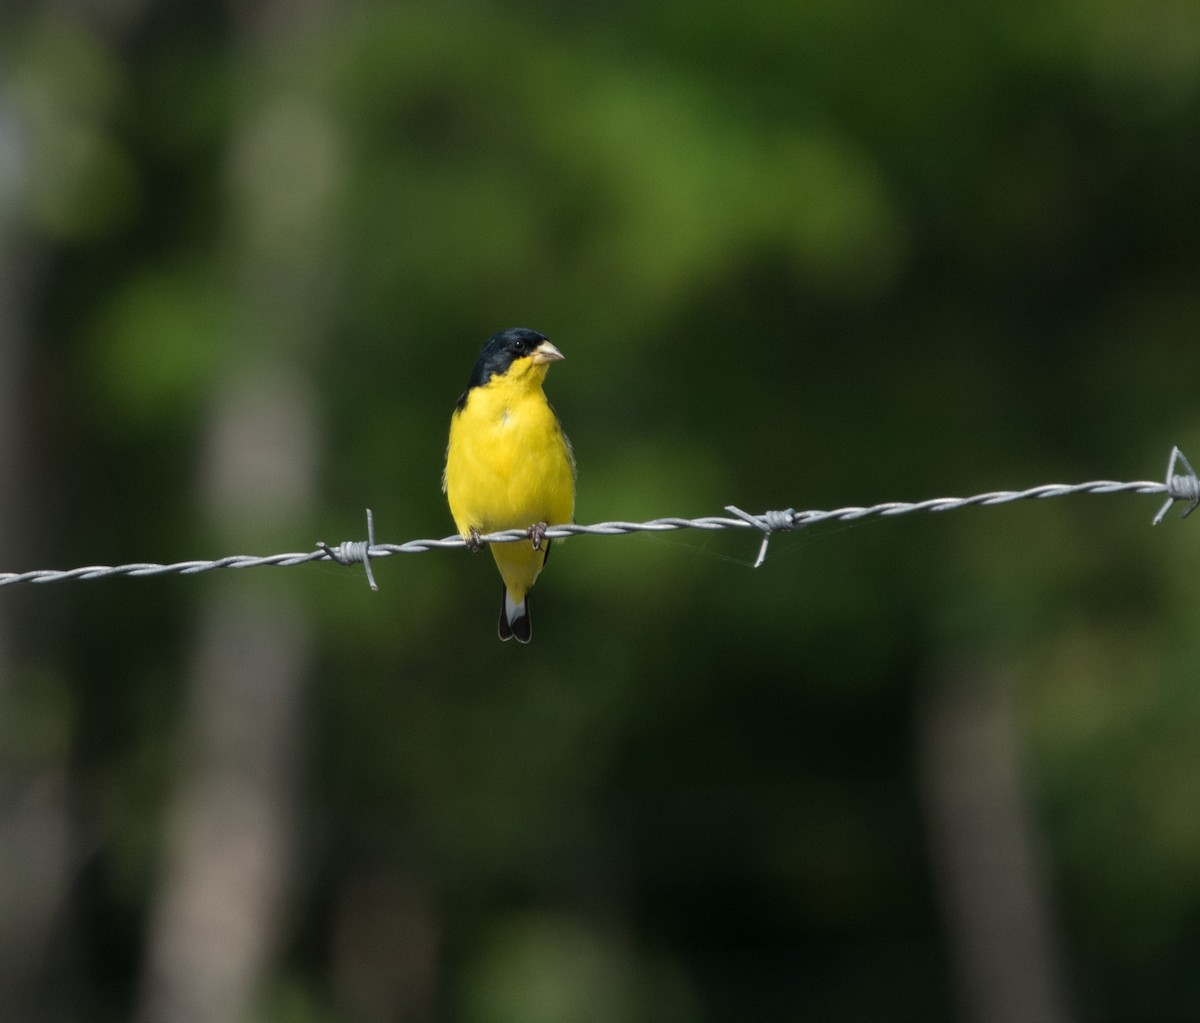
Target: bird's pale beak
[(546, 352)]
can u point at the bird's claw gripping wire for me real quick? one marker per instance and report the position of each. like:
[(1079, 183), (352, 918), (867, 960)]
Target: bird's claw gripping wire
[(537, 533), (1184, 486), (472, 541), (350, 552), (769, 522)]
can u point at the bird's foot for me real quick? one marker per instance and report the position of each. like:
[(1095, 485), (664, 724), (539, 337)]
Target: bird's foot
[(537, 533), (473, 541)]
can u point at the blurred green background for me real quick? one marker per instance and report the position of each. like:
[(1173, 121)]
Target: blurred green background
[(808, 255)]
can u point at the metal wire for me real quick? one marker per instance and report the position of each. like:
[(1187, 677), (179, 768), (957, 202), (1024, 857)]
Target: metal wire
[(1178, 487)]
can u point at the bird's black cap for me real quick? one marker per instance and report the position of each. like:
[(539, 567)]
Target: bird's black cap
[(502, 350)]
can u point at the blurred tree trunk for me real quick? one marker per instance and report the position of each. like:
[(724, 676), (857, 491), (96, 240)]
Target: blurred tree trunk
[(217, 925), (231, 825), (987, 866), (231, 828), (35, 825), (42, 845)]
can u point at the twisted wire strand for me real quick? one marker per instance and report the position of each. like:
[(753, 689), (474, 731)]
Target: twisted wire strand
[(1177, 487)]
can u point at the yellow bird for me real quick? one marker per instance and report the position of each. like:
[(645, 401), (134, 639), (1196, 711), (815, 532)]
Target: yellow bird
[(509, 465)]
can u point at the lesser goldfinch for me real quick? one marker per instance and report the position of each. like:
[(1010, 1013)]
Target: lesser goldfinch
[(509, 465)]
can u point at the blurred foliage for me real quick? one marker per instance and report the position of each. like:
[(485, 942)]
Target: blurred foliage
[(796, 255)]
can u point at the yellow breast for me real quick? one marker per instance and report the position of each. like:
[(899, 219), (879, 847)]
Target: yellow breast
[(508, 464)]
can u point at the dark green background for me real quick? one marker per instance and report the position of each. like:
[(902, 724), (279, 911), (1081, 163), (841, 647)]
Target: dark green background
[(797, 255)]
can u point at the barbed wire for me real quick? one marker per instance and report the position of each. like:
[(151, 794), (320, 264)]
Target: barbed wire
[(1178, 486)]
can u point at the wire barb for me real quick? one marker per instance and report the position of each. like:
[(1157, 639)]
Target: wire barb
[(351, 552), (769, 522), (1183, 486)]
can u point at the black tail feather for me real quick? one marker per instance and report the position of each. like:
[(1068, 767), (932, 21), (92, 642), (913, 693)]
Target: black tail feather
[(520, 628)]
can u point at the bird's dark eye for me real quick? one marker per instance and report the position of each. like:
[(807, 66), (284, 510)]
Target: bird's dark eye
[(520, 346)]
